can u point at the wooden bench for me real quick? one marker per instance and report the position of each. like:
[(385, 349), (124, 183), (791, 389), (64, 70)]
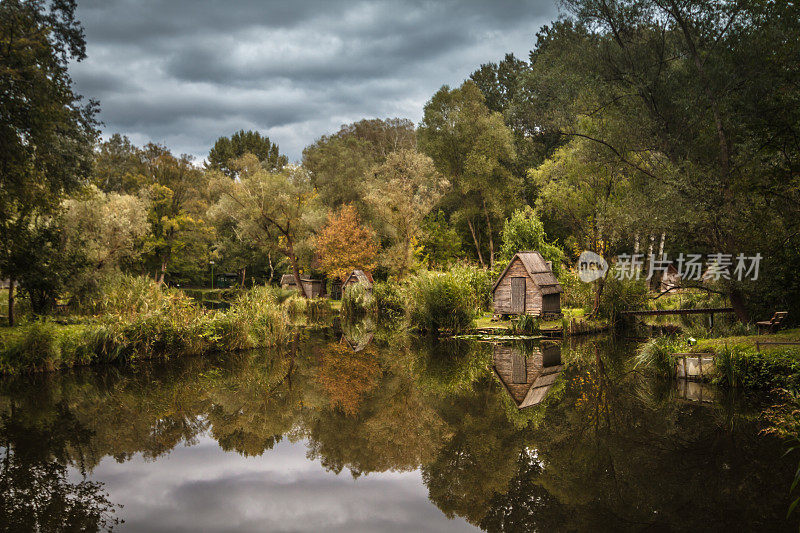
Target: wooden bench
[(773, 323)]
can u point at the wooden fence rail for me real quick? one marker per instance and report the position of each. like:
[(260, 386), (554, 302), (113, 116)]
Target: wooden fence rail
[(659, 312)]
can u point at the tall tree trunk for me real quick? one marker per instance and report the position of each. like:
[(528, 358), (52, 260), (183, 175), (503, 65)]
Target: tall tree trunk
[(661, 245), (271, 267), (598, 292), (477, 243), (11, 283), (737, 302), (491, 241), (244, 275), (162, 272), (295, 267)]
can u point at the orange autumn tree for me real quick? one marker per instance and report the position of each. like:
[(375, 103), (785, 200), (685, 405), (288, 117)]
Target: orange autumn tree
[(344, 244)]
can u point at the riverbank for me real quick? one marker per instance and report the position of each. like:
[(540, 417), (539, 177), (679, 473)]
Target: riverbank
[(572, 324), (758, 362), (140, 321)]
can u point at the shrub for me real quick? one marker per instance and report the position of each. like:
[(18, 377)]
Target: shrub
[(34, 345), (357, 301), (525, 325), (127, 296), (656, 355), (389, 299), (294, 306), (317, 309), (440, 301), (576, 292), (479, 282), (621, 295), (742, 366), (143, 320)]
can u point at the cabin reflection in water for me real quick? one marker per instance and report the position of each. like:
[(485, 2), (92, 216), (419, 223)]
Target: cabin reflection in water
[(527, 373)]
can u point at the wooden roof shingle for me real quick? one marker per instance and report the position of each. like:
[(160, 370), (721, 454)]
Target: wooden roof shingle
[(537, 269)]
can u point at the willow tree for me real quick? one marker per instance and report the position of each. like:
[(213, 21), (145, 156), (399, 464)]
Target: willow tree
[(277, 209), (402, 191), (473, 148)]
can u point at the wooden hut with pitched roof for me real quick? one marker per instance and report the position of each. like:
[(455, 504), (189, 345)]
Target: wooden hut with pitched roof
[(527, 287), (359, 276), (314, 288)]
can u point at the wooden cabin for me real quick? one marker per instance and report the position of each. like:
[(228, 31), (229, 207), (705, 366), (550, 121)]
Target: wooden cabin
[(527, 375), (527, 287), (358, 276), (314, 288)]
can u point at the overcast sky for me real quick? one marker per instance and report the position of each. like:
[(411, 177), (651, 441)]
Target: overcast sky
[(184, 72)]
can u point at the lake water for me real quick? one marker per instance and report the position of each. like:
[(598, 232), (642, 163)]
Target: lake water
[(387, 433)]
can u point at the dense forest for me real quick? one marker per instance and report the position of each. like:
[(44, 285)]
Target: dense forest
[(632, 125)]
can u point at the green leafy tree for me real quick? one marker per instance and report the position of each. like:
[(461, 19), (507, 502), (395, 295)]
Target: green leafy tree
[(472, 147), (228, 149), (118, 166), (46, 135), (696, 98), (402, 191), (441, 243), (525, 231), (173, 232), (179, 240), (339, 162), (275, 208), (107, 229)]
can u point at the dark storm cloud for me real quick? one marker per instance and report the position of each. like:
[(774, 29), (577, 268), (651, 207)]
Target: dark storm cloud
[(183, 72)]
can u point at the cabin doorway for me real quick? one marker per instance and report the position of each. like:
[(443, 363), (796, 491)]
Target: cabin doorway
[(551, 303), (518, 295)]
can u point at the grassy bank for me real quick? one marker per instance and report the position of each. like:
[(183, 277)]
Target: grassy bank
[(138, 320), (739, 362), (573, 322)]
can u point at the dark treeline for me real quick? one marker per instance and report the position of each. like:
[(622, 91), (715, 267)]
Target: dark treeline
[(632, 123)]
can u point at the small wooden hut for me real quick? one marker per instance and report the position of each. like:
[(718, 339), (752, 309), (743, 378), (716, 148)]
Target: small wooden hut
[(527, 287), (527, 375), (314, 288), (358, 276)]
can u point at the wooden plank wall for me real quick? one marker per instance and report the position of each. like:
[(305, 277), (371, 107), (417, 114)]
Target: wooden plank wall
[(502, 295)]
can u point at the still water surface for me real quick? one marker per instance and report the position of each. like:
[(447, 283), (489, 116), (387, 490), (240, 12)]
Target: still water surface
[(388, 434)]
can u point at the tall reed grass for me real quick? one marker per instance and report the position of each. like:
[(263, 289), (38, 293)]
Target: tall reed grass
[(137, 319), (440, 302)]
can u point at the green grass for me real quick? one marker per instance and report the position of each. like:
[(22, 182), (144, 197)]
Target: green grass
[(137, 319), (715, 344), (485, 321)]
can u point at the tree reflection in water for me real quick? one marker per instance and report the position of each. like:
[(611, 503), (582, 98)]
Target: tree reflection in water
[(35, 493), (604, 448)]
